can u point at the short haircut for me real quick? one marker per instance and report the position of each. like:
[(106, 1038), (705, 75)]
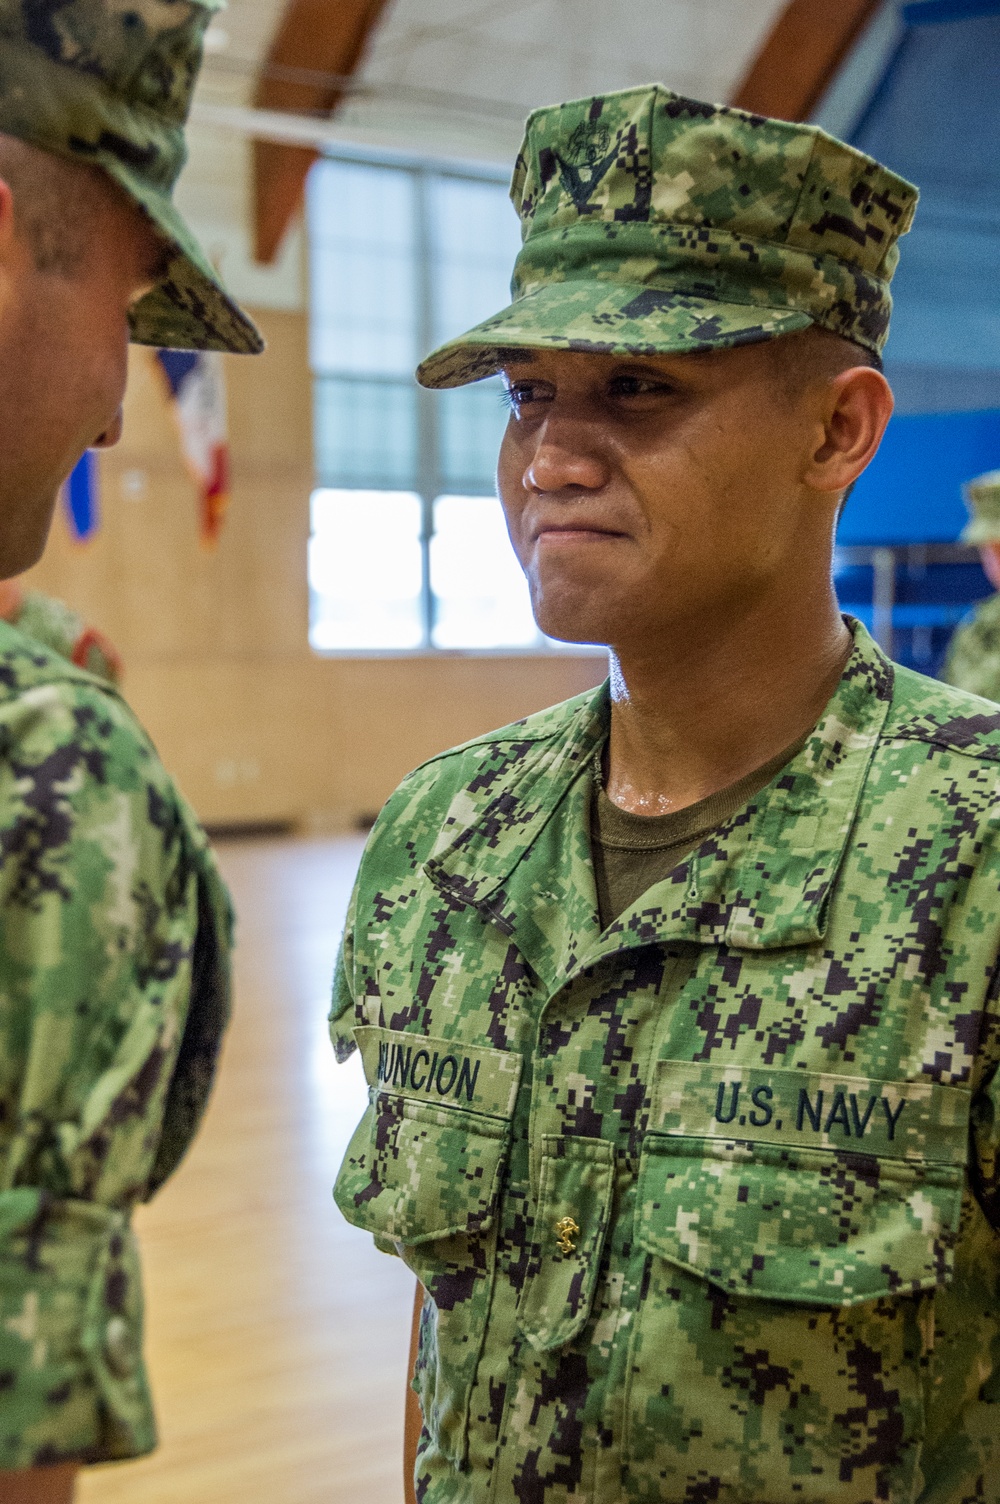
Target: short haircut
[(814, 353), (54, 201)]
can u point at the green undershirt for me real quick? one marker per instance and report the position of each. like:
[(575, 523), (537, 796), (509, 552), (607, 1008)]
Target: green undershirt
[(632, 852)]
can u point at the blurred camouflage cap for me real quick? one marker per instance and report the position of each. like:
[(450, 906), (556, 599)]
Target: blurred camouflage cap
[(654, 224), (982, 497), (109, 82)]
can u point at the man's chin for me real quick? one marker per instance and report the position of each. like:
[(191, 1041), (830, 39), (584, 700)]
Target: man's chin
[(582, 629), (23, 535), (573, 610)]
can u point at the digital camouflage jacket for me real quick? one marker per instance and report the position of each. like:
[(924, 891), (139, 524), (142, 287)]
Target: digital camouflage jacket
[(973, 660), (114, 991), (705, 1206)]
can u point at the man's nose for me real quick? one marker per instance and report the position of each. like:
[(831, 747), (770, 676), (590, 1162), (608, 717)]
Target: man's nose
[(560, 464), (111, 434)]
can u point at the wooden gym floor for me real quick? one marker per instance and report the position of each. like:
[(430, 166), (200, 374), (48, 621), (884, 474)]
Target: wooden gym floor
[(276, 1335)]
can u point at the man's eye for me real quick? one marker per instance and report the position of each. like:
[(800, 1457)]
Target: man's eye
[(639, 386), (518, 395)]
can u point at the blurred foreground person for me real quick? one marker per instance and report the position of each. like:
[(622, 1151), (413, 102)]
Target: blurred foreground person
[(55, 625), (678, 1001), (973, 660), (114, 925)]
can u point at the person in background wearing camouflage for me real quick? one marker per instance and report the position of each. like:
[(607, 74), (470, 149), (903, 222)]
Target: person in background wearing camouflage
[(973, 660), (678, 1001), (55, 625), (114, 924)]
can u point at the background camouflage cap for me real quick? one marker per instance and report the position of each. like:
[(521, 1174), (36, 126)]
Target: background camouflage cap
[(654, 224), (982, 497), (109, 82)]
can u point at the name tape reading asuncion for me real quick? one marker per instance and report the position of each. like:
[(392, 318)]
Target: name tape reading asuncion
[(447, 1072)]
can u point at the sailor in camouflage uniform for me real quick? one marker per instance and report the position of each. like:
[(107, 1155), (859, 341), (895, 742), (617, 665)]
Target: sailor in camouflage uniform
[(114, 923), (696, 1155), (973, 660)]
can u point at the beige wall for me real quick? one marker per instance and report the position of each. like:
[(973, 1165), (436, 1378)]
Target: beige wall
[(253, 725)]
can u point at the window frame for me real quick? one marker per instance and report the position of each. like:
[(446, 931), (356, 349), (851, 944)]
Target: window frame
[(428, 481)]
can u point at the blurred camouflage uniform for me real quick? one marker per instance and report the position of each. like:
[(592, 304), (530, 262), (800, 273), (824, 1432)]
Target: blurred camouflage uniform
[(57, 626), (705, 1206), (114, 924), (973, 660), (114, 976)]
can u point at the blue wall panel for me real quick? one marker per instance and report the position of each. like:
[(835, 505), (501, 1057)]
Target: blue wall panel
[(911, 492)]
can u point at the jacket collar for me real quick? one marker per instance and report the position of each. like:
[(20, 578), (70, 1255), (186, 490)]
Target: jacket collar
[(762, 881)]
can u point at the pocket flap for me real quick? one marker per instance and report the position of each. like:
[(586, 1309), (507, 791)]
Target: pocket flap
[(786, 1185), (414, 1173), (574, 1204), (425, 1161)]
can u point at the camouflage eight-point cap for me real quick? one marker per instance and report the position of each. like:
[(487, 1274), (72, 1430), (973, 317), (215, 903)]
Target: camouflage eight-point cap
[(654, 224), (982, 497), (109, 82)]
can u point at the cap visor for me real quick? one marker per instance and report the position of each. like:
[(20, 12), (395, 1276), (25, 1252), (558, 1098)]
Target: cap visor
[(189, 309), (603, 318)]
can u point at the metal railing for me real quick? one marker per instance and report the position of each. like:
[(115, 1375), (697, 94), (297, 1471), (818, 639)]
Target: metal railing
[(885, 562)]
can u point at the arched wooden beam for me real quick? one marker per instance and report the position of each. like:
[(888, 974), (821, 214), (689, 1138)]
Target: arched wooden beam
[(798, 61), (315, 38)]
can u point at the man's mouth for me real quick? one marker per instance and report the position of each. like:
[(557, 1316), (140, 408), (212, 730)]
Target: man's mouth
[(577, 531)]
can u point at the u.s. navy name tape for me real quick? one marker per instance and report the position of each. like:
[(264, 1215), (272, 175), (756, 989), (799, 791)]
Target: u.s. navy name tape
[(896, 1119)]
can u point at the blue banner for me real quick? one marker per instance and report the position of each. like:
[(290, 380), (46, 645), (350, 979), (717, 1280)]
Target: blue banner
[(81, 500)]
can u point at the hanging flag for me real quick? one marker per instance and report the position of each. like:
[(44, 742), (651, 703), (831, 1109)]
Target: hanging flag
[(80, 498), (197, 390)]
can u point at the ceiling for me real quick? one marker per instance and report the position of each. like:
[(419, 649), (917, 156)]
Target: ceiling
[(513, 57), (452, 78)]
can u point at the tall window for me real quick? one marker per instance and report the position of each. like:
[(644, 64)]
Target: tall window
[(408, 550)]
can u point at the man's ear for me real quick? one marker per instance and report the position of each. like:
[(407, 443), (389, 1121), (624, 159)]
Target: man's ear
[(16, 256), (856, 406), (11, 249), (6, 212)]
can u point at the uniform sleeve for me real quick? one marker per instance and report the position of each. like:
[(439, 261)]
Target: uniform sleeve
[(114, 939), (343, 1017), (985, 1118), (355, 998)]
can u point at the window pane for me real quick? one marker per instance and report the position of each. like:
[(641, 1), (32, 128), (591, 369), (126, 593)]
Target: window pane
[(480, 595), (363, 312), (365, 570), (365, 432), (475, 235), (471, 421)]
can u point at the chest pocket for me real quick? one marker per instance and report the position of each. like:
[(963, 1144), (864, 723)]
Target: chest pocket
[(789, 1185), (787, 1213), (423, 1173)]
